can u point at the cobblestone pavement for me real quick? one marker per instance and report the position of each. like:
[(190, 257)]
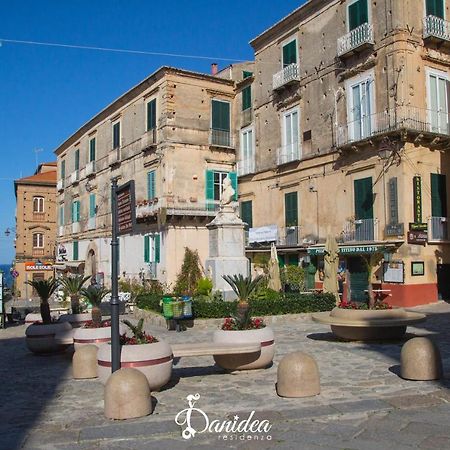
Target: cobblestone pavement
[(363, 403)]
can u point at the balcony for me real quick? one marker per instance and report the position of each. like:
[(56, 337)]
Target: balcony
[(61, 230), (220, 138), (37, 251), (438, 229), (289, 236), (356, 40), (60, 185), (75, 177), (75, 227), (114, 157), (288, 153), (435, 28), (288, 75), (152, 272), (150, 209), (148, 140), (402, 118), (245, 166), (92, 223), (360, 230), (90, 169), (246, 117), (38, 216)]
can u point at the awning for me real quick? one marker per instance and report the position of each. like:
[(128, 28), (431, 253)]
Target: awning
[(365, 249)]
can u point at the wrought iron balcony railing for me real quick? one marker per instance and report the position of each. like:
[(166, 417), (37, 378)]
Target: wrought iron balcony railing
[(289, 236), (360, 230), (287, 75), (220, 138), (246, 117), (288, 153), (438, 229), (355, 39), (435, 27)]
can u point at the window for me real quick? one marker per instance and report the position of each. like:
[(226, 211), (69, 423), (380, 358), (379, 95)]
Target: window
[(246, 98), (63, 172), (360, 107), (152, 248), (75, 255), (246, 74), (291, 209), (358, 14), (92, 206), (246, 164), (38, 240), (214, 185), (38, 204), (290, 53), (435, 8), (92, 145), (363, 198), (151, 115), (77, 160), (116, 135), (291, 146), (220, 123), (438, 102), (76, 211), (61, 215), (438, 195), (247, 214), (151, 184)]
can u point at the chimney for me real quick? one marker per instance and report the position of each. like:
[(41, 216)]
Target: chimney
[(214, 69)]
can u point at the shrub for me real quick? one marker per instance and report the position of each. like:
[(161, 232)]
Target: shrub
[(150, 302), (293, 278), (204, 286), (190, 273)]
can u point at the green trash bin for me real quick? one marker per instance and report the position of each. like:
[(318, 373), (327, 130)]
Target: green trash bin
[(167, 307)]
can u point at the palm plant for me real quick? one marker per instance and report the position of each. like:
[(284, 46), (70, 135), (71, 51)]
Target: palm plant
[(94, 295), (73, 286), (44, 289), (243, 288)]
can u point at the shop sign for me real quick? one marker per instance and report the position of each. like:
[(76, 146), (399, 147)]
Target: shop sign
[(417, 237), (36, 266), (417, 186), (351, 249), (418, 226), (126, 209), (263, 234), (394, 229)]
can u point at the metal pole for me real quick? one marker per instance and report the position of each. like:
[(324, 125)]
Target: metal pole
[(114, 302)]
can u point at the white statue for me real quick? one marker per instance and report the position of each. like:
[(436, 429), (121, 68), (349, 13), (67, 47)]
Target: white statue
[(227, 195)]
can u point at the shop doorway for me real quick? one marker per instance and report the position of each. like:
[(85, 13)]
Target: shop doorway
[(443, 281), (359, 282)]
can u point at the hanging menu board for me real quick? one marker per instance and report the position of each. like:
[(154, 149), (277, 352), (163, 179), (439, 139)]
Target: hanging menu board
[(394, 272)]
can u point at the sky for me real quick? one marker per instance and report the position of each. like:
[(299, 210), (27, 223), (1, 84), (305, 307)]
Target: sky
[(47, 93)]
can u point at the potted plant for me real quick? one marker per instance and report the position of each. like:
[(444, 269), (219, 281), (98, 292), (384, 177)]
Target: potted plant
[(72, 286), (141, 351), (245, 329), (40, 336), (95, 331)]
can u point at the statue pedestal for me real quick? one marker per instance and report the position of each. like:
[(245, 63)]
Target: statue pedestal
[(226, 250)]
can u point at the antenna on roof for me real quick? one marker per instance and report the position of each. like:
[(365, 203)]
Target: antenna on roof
[(36, 151)]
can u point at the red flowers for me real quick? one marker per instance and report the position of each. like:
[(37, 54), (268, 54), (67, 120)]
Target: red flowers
[(231, 324), (344, 304), (92, 324), (146, 339)]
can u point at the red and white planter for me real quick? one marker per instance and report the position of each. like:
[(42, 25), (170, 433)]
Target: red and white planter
[(41, 338), (76, 320), (153, 360), (36, 317), (246, 361), (93, 336)]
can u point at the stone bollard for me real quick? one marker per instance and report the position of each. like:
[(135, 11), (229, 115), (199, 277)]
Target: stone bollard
[(84, 362), (298, 376), (127, 395), (420, 360)]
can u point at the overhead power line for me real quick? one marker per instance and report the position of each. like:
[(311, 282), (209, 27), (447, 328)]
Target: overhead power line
[(119, 50)]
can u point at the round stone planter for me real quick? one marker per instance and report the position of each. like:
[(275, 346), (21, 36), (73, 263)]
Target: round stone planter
[(246, 361), (76, 320), (369, 325), (36, 317), (93, 336), (41, 338), (153, 360)]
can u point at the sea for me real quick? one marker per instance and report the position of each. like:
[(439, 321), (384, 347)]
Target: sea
[(8, 280)]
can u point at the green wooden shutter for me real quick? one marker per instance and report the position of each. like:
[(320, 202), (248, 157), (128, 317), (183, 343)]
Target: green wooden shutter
[(220, 115), (234, 184), (92, 205), (209, 188), (116, 135), (157, 240), (73, 212), (246, 74), (290, 53), (363, 198), (246, 98), (75, 250), (151, 184), (435, 8), (147, 248), (291, 209), (151, 115), (363, 12), (92, 150), (438, 195), (77, 159), (247, 213), (63, 170)]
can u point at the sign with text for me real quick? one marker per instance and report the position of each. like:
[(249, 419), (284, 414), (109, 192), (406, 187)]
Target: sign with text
[(394, 272), (32, 266), (417, 237), (263, 234), (394, 229), (418, 226), (126, 208), (417, 201)]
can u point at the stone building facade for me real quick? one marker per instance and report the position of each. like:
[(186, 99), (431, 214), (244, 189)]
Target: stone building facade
[(348, 134), (35, 228)]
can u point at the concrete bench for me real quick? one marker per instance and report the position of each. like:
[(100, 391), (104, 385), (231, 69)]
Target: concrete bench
[(213, 349)]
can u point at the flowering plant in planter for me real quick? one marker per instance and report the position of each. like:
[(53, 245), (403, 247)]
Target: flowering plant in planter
[(233, 324), (139, 335), (102, 324), (344, 304)]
